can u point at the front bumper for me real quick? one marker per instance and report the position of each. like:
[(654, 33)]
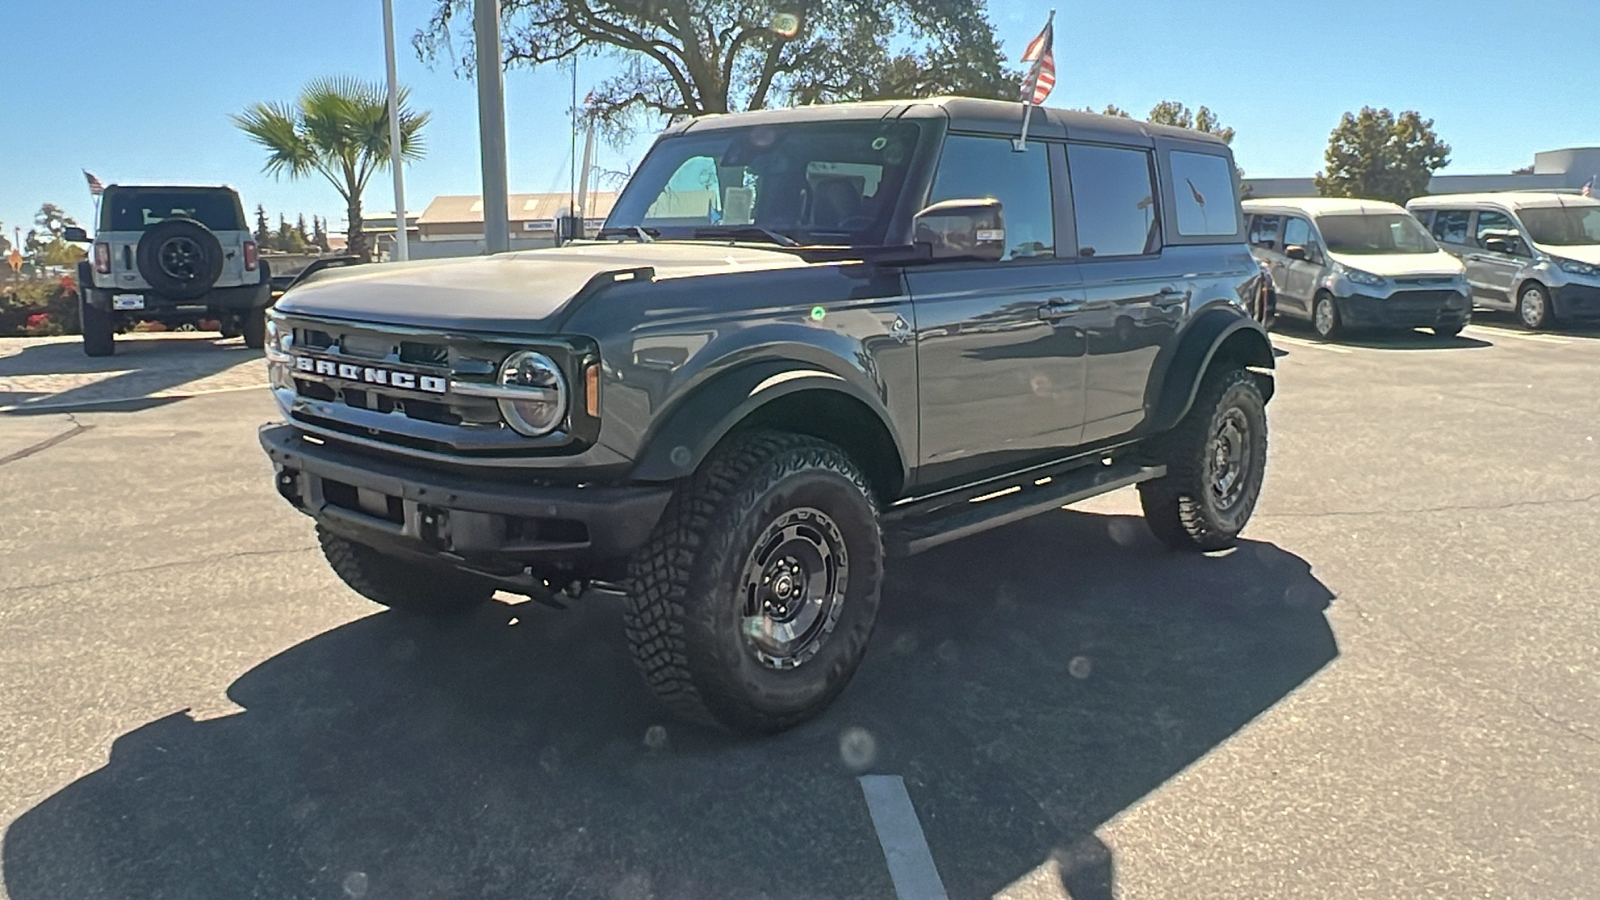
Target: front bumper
[(1406, 309), (1576, 301), (498, 523)]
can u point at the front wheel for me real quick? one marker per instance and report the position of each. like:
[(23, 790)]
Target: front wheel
[(253, 325), (1448, 331), (401, 584), (1325, 318), (1533, 308), (1215, 461), (751, 605)]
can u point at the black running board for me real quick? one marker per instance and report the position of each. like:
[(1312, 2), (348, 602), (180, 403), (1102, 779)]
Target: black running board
[(910, 533)]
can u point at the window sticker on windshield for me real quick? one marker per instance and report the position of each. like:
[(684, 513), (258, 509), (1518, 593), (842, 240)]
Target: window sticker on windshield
[(736, 205)]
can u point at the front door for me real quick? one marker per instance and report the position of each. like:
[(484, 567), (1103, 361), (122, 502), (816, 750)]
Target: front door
[(1301, 276), (1000, 353), (1493, 272)]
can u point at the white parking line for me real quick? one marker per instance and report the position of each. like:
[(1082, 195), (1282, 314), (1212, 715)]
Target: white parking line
[(1302, 342), (1482, 332), (900, 834)]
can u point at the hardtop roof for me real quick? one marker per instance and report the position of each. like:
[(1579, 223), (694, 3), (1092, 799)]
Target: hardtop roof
[(1321, 206), (1505, 200)]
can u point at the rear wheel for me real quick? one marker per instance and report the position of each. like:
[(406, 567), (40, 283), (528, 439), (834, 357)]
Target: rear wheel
[(751, 605), (99, 330), (1533, 307), (1448, 331), (402, 584), (1215, 461)]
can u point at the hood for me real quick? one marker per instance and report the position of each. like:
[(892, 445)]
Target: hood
[(1586, 253), (519, 291), (1402, 265)]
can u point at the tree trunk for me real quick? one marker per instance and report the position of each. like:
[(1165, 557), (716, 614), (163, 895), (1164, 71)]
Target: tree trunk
[(356, 239)]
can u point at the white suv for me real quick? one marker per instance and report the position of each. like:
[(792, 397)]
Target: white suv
[(171, 254)]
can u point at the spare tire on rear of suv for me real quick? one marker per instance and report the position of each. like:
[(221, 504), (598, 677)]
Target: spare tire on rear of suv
[(180, 258)]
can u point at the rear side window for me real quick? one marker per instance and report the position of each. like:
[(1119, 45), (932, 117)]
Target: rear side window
[(1264, 232), (1450, 226), (1203, 199), (1113, 198), (139, 209), (972, 168)]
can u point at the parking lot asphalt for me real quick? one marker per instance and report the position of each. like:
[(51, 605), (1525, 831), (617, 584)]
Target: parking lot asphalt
[(1390, 689)]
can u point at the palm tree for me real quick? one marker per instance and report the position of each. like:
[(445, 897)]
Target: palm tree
[(338, 128)]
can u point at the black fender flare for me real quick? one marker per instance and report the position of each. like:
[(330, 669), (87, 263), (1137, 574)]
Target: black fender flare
[(691, 429), (1198, 345)]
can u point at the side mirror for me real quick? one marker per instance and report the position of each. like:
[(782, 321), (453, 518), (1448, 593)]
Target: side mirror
[(74, 234), (1295, 251), (1500, 245), (962, 229)]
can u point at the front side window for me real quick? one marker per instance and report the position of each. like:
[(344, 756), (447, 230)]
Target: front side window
[(1113, 198), (1450, 225), (810, 182), (1297, 233), (1375, 233), (1264, 231), (1563, 226), (1203, 197), (1492, 224), (977, 168)]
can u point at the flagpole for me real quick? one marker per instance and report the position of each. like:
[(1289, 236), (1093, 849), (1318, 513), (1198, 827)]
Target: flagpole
[(1030, 84), (402, 247)]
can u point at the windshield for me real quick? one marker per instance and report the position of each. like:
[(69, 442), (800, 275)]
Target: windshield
[(813, 183), (136, 210), (1375, 233), (1563, 226)]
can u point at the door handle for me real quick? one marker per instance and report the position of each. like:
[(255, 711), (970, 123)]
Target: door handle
[(1171, 296), (1058, 308)]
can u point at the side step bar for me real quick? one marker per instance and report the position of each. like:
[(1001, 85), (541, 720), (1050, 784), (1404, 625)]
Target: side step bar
[(910, 533)]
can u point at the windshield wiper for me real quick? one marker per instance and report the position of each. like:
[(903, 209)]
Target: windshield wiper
[(747, 231), (642, 235)]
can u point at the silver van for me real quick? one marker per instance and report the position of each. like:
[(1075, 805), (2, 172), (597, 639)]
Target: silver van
[(1343, 264), (1536, 254)]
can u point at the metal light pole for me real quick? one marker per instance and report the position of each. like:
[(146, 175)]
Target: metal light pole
[(492, 125), (402, 242)]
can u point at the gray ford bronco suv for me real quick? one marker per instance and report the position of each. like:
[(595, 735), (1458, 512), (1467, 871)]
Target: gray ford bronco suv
[(805, 341), (172, 254)]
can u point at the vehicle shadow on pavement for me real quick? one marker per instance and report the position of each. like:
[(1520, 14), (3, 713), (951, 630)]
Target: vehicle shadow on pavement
[(1508, 321), (59, 374), (1028, 684), (1384, 339)]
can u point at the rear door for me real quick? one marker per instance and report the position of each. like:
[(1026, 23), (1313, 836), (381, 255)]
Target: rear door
[(1000, 353), (1492, 272)]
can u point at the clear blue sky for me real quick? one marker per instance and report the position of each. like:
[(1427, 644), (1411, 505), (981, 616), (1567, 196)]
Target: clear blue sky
[(137, 90)]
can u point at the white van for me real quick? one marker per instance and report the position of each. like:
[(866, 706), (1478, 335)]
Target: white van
[(1343, 264), (1535, 253)]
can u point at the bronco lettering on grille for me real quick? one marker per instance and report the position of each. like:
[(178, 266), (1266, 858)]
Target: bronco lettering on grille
[(407, 381)]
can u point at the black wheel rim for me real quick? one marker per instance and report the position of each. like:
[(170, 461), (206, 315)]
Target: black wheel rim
[(793, 588), (1228, 459), (180, 258)]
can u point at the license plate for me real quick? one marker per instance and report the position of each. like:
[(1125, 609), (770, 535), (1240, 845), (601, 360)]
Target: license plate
[(127, 301)]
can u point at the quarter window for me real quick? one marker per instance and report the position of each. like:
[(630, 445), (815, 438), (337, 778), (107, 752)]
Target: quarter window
[(977, 168), (1202, 187), (1450, 226), (1264, 232), (1113, 198)]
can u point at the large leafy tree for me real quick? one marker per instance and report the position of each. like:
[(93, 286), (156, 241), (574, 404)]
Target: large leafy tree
[(1377, 155), (692, 57), (339, 129), (1171, 112)]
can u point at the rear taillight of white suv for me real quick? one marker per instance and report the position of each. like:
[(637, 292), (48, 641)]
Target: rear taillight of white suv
[(250, 256), (102, 258)]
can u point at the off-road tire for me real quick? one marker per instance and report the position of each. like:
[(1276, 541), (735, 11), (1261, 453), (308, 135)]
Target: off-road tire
[(684, 608), (401, 584), (1181, 508), (98, 327), (253, 325), (207, 262), (1449, 331)]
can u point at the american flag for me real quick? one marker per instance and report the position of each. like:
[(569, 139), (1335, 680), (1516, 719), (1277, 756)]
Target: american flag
[(95, 187), (1588, 188), (1042, 76)]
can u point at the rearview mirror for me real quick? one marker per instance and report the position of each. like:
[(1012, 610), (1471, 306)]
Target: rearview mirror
[(74, 234), (962, 229), (1295, 251)]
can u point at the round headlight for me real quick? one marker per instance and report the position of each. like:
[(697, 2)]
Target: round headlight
[(546, 404)]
